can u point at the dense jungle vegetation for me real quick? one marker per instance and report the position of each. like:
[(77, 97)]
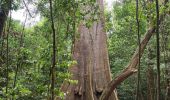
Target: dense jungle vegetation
[(80, 50)]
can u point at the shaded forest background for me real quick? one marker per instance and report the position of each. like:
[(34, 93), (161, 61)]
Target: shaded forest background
[(26, 52)]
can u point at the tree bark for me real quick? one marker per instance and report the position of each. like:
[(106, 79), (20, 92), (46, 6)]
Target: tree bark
[(2, 21), (54, 53), (168, 84), (3, 17), (150, 76), (4, 10), (92, 69)]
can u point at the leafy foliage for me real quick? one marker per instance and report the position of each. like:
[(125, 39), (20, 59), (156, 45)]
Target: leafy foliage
[(30, 48)]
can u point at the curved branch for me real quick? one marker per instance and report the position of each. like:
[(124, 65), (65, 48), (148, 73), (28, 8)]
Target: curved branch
[(116, 81), (131, 67), (133, 62)]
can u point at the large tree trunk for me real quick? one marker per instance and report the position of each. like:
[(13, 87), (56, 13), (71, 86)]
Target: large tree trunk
[(92, 70), (150, 75)]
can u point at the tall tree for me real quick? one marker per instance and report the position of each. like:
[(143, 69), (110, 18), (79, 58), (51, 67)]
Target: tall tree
[(164, 42), (137, 21), (92, 69), (4, 10), (131, 67), (7, 49), (150, 75), (54, 53), (158, 50)]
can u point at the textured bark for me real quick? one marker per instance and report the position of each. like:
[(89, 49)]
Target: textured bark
[(168, 82), (167, 66), (92, 70), (165, 43), (4, 10), (168, 85), (150, 76), (3, 17)]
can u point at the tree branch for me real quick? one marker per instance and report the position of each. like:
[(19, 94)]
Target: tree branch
[(108, 90), (131, 67)]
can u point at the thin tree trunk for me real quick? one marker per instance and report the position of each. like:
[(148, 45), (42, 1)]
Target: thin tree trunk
[(4, 10), (20, 59), (139, 38), (131, 67), (92, 69), (150, 76), (7, 50), (168, 85), (158, 51), (54, 53), (3, 17)]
